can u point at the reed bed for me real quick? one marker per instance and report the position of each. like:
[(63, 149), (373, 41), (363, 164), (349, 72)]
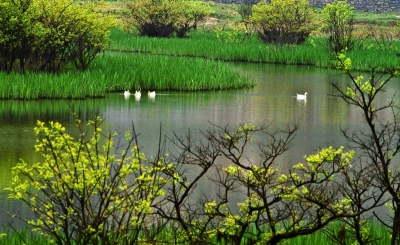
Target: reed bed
[(68, 85), (116, 72), (149, 72), (207, 45)]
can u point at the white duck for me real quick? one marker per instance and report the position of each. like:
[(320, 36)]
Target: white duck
[(152, 94), (138, 94), (302, 96), (127, 93)]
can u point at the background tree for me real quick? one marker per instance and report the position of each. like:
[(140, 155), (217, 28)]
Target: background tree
[(283, 21), (191, 13), (154, 18), (163, 18), (339, 23), (49, 35), (18, 34)]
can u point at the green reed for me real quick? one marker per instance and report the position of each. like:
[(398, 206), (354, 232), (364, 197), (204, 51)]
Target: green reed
[(68, 85), (368, 53), (376, 230), (116, 71), (150, 72), (208, 45), (24, 236)]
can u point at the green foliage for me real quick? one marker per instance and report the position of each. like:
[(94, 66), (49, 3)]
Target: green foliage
[(154, 18), (163, 18), (338, 22), (283, 21), (49, 35), (84, 192)]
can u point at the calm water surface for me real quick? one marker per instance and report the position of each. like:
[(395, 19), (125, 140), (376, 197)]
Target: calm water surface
[(271, 101)]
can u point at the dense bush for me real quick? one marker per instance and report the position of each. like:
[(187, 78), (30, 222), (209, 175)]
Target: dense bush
[(283, 21), (164, 18), (49, 35)]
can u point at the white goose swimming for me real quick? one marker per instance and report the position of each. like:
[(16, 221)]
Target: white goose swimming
[(302, 96), (152, 94), (138, 94), (127, 93)]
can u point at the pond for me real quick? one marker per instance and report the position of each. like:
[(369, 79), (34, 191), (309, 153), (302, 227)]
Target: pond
[(272, 101)]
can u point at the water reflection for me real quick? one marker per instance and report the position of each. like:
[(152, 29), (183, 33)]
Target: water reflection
[(273, 101)]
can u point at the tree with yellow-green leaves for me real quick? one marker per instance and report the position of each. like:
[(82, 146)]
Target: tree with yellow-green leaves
[(88, 189), (275, 204), (164, 18), (339, 24), (191, 13), (376, 177), (283, 21), (49, 35)]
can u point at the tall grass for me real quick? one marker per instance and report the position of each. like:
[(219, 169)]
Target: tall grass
[(149, 72), (115, 72), (73, 85), (24, 236), (165, 236), (375, 231), (207, 45)]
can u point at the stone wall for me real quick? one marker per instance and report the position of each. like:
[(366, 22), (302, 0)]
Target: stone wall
[(377, 6)]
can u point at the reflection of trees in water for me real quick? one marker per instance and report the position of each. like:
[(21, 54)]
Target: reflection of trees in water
[(15, 111)]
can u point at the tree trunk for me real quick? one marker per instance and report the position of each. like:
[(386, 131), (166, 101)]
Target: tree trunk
[(396, 225)]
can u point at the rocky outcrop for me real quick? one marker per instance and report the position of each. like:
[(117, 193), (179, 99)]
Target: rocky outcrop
[(377, 6)]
